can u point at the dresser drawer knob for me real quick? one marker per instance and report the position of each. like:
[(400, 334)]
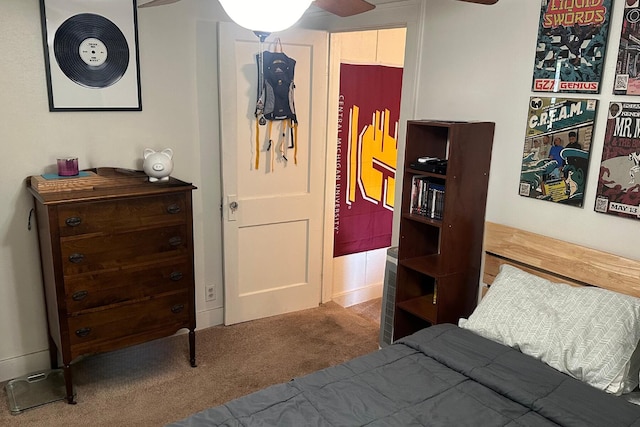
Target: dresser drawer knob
[(76, 258), (174, 208), (73, 221), (80, 295), (175, 241), (177, 308), (176, 275), (83, 332)]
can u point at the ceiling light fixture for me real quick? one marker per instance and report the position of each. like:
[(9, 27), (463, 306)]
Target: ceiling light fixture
[(265, 16)]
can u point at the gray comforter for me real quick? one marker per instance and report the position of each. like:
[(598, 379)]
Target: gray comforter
[(440, 376)]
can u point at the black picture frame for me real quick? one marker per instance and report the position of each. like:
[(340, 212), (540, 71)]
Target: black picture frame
[(91, 55)]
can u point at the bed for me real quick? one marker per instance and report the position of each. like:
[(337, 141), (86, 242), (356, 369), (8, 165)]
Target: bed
[(533, 353)]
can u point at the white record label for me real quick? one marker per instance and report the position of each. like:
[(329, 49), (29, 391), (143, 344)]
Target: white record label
[(93, 52)]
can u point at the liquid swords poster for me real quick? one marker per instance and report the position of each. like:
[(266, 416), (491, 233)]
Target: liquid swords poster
[(571, 45)]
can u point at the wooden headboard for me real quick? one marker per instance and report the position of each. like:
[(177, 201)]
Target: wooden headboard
[(557, 260)]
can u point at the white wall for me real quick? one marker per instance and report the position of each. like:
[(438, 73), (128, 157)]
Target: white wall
[(477, 65), (179, 96), (359, 277)]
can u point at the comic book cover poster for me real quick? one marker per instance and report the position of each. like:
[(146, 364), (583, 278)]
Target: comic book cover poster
[(619, 180), (557, 144), (627, 80), (570, 50)]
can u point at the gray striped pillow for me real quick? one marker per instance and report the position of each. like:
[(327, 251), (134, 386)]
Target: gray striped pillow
[(586, 332)]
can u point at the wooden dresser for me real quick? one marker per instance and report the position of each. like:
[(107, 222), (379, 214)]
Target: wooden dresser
[(117, 262)]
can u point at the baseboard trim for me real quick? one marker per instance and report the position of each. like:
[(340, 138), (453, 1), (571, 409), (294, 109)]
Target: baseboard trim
[(208, 318), (23, 365), (39, 361), (357, 296)]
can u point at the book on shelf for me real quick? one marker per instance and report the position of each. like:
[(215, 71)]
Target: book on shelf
[(427, 197)]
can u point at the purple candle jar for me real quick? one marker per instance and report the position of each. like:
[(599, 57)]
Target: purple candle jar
[(68, 166)]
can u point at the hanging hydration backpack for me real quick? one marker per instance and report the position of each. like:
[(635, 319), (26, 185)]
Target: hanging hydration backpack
[(275, 102)]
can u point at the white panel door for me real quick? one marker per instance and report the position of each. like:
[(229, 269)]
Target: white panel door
[(273, 239)]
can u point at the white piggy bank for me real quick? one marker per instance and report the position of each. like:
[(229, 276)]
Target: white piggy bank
[(158, 164)]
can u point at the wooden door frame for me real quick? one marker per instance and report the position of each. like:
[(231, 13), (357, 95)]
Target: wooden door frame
[(410, 15)]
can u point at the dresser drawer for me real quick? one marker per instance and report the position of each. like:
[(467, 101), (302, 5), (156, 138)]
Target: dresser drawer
[(88, 332), (121, 214), (113, 252), (86, 291)]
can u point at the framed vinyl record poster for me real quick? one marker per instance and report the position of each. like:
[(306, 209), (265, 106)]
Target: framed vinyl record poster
[(91, 54)]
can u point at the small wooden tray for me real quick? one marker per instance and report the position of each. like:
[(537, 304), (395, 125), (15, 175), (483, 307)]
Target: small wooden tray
[(86, 182)]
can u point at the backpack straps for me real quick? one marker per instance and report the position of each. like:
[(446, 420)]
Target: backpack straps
[(289, 127), (293, 131), (270, 146), (257, 144)]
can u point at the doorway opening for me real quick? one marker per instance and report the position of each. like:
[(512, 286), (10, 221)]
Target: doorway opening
[(362, 135)]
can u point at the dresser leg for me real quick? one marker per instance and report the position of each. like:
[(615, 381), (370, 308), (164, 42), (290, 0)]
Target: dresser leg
[(69, 384), (192, 347)]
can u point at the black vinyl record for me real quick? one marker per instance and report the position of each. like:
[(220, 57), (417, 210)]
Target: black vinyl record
[(91, 50)]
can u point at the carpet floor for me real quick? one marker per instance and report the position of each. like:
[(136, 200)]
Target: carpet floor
[(153, 384)]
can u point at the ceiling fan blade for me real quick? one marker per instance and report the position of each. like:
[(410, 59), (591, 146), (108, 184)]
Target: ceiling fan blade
[(153, 3), (482, 1), (344, 7)]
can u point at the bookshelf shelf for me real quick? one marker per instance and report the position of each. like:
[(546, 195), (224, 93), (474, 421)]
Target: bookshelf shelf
[(431, 265), (422, 307), (430, 221), (411, 171)]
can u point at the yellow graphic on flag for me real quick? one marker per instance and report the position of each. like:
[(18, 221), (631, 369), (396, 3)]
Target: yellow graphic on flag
[(373, 146)]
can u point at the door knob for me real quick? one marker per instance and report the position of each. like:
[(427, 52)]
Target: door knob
[(232, 203)]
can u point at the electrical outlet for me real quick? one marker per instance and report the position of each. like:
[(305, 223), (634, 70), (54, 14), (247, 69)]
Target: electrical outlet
[(211, 293)]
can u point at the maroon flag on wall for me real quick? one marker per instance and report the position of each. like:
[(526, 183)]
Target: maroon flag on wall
[(369, 109)]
